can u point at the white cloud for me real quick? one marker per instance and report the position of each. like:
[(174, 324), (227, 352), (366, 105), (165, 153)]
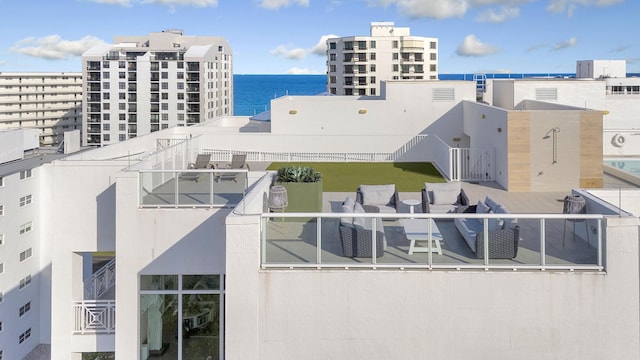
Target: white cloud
[(112, 2), (198, 3), (321, 47), (289, 53), (472, 46), (302, 71), (499, 15), (171, 3), (620, 48), (53, 47), (442, 9), (559, 6), (536, 47), (277, 4), (565, 44)]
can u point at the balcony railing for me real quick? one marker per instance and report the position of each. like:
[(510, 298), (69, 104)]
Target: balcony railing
[(101, 281), (94, 317), (192, 188), (314, 240)]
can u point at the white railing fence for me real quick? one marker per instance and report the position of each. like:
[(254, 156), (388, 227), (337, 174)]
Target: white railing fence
[(101, 281), (94, 316)]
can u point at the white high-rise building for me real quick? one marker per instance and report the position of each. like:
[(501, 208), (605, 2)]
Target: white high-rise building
[(357, 64), (48, 101), (142, 84)]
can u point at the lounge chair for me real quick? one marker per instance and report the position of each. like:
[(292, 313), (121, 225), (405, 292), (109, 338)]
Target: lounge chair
[(238, 161), (202, 162)]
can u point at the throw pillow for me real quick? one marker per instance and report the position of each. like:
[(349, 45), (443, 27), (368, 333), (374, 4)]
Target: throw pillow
[(347, 207), (377, 194), (493, 205), (445, 196), (482, 208), (357, 208), (349, 202)]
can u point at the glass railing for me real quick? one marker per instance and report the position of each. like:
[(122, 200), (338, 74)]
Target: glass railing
[(192, 188), (432, 241)]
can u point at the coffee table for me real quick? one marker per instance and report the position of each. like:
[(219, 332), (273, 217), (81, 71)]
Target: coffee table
[(418, 230)]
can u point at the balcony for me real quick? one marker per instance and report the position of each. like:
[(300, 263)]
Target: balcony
[(94, 317)]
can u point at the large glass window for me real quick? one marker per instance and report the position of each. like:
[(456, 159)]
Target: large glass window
[(180, 316)]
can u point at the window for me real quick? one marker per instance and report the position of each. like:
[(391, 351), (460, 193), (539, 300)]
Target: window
[(105, 64), (372, 68), (394, 44), (122, 85), (25, 200), (122, 117), (121, 64), (164, 126), (395, 67), (180, 75), (24, 336), (165, 75), (122, 127), (180, 96), (25, 228), (122, 96), (25, 308), (1, 268), (180, 86), (106, 85), (0, 326), (1, 239), (180, 117), (25, 282), (122, 137), (372, 56), (394, 56), (165, 96), (372, 91), (26, 254), (106, 137), (180, 65), (106, 117), (432, 56), (1, 210), (165, 117), (105, 96), (165, 64), (332, 46), (165, 85), (1, 181), (122, 106), (105, 75), (372, 44), (106, 127), (372, 80), (25, 174), (164, 106), (121, 75), (432, 45), (106, 106)]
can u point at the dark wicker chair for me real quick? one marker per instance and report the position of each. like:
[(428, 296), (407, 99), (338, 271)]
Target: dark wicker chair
[(503, 244), (357, 241)]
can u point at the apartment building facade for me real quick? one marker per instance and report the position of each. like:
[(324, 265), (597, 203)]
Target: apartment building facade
[(25, 290), (48, 101), (142, 84), (357, 64)]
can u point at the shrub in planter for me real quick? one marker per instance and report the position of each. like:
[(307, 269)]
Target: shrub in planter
[(304, 188)]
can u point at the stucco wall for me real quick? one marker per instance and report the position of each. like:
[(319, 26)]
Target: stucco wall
[(378, 314)]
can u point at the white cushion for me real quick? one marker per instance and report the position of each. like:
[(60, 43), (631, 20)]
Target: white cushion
[(359, 221), (349, 202), (377, 194), (442, 193), (357, 208), (445, 196)]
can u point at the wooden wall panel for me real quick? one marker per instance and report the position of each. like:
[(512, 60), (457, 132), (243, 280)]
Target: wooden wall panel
[(591, 168), (519, 148)]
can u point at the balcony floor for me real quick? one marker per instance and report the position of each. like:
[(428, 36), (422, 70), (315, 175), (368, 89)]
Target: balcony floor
[(292, 242)]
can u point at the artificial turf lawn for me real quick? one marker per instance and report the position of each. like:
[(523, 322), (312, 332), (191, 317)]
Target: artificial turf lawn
[(347, 176)]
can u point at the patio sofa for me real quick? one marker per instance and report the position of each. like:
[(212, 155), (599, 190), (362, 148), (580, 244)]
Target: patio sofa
[(440, 198), (504, 234), (356, 232), (378, 198)]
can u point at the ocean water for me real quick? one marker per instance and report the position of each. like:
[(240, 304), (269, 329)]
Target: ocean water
[(253, 93)]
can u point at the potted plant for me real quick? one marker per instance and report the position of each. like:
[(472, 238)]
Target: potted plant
[(304, 188)]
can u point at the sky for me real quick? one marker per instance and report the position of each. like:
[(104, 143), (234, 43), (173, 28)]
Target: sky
[(288, 36)]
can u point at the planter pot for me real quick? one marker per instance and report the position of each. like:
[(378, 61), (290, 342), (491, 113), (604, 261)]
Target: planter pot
[(303, 197)]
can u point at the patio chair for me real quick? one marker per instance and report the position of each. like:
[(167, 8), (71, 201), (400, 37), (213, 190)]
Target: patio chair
[(378, 198), (238, 161), (202, 162)]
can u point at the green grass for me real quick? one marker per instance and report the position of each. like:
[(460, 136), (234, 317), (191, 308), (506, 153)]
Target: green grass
[(345, 177)]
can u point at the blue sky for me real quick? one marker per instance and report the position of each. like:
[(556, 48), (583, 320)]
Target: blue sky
[(287, 36)]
